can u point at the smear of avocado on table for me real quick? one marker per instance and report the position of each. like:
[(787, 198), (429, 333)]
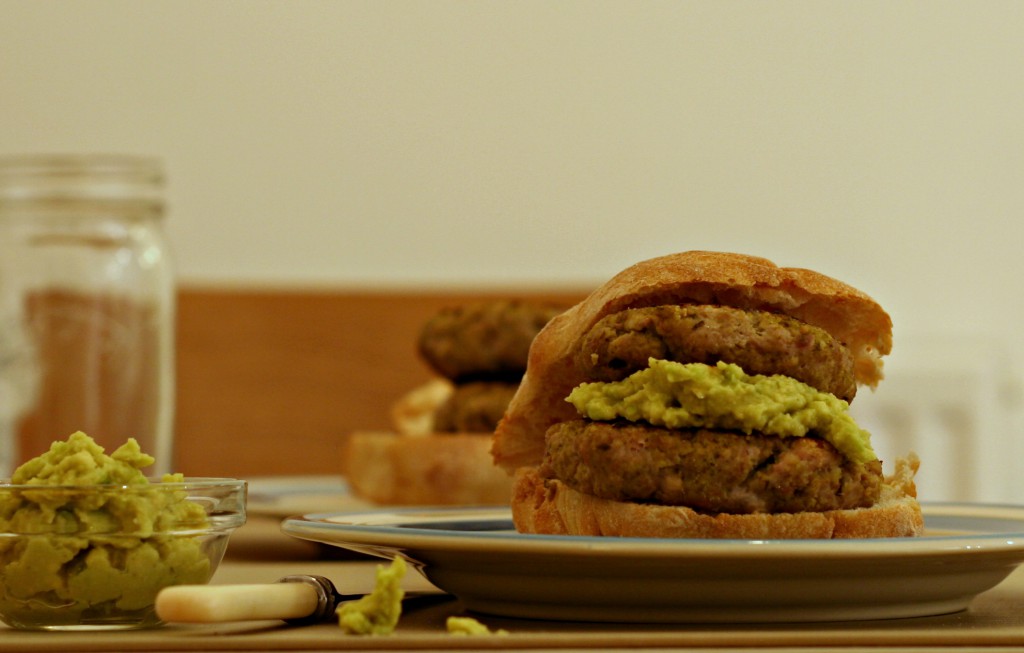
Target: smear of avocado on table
[(376, 613), (470, 626)]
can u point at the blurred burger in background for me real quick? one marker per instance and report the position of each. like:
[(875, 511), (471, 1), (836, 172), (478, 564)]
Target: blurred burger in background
[(439, 451)]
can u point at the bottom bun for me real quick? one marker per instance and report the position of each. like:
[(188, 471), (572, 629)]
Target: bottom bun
[(435, 469), (549, 506)]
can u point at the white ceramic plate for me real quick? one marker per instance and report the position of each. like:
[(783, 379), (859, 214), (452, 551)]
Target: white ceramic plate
[(476, 555), (284, 496)]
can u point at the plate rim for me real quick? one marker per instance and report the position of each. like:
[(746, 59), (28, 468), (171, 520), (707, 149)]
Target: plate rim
[(395, 536), (695, 581)]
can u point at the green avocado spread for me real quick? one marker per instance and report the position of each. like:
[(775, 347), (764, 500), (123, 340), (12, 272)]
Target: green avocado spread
[(470, 626), (97, 551), (376, 613), (694, 395)]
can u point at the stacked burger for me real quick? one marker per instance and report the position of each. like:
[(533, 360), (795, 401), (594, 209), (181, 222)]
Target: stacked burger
[(706, 394), (439, 453)]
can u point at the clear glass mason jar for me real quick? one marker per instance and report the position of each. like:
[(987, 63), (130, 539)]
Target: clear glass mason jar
[(87, 305)]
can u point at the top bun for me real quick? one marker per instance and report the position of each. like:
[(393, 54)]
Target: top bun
[(696, 277)]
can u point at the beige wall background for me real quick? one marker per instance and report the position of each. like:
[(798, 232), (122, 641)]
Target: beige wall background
[(483, 144)]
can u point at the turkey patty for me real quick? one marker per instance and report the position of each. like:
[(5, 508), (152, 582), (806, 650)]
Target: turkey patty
[(759, 342), (710, 471)]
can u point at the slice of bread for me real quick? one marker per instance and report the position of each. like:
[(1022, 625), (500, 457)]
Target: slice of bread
[(435, 469)]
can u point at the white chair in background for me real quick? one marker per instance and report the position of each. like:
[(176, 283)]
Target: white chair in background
[(956, 401)]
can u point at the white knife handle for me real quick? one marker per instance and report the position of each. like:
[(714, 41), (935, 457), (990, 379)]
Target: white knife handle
[(219, 603)]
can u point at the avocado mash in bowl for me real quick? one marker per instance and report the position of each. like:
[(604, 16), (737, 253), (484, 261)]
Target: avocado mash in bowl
[(87, 540)]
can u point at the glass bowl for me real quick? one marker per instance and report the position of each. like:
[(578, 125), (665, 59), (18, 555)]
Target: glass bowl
[(93, 557)]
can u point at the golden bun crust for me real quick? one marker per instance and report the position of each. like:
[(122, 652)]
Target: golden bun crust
[(551, 507), (736, 280), (435, 469), (414, 412)]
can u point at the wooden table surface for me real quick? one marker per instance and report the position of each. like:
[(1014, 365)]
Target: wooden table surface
[(260, 553)]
